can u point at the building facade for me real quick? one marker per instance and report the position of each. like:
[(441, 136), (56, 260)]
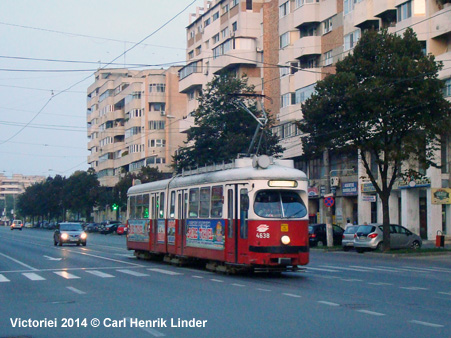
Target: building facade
[(314, 35), (133, 120), (11, 188)]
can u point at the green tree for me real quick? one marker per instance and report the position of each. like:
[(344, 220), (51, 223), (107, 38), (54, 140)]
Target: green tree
[(385, 99), (81, 191), (221, 131)]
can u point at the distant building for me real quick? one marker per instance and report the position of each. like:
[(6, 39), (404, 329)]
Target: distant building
[(133, 121), (11, 188)]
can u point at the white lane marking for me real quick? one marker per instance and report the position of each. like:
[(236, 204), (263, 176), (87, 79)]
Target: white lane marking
[(66, 274), (401, 269), (153, 332), (426, 323), (372, 313), (380, 284), (133, 273), (291, 295), (376, 269), (413, 288), (101, 257), (445, 293), (318, 269), (239, 285), (3, 279), (19, 262), (265, 290), (351, 280), (53, 258), (328, 303), (434, 269), (216, 280), (76, 290), (33, 276), (167, 272), (343, 268), (99, 273), (199, 277)]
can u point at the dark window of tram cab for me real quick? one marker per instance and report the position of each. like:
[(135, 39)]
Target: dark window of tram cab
[(244, 208)]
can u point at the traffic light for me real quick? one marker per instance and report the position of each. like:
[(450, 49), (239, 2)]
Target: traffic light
[(114, 207)]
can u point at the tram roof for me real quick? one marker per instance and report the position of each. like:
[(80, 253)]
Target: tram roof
[(275, 171)]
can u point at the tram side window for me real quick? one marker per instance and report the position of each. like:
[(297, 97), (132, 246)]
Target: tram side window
[(146, 206), (161, 211), (230, 212), (216, 201), (244, 208), (139, 206), (193, 203), (204, 202), (132, 203), (172, 206)]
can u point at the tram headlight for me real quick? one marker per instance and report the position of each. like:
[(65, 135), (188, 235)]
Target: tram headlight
[(285, 240)]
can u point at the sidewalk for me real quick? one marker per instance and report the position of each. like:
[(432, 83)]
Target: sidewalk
[(431, 244)]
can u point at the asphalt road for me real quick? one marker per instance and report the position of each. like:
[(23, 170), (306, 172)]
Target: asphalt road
[(342, 294)]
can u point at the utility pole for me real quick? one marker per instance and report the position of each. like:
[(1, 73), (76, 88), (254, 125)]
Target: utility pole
[(329, 229)]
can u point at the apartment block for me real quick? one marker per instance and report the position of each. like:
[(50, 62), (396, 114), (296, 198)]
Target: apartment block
[(230, 35), (133, 120), (313, 36)]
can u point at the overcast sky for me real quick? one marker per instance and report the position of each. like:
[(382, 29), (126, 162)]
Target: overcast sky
[(36, 36)]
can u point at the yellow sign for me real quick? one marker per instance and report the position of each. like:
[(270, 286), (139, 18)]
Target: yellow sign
[(441, 196), (284, 228)]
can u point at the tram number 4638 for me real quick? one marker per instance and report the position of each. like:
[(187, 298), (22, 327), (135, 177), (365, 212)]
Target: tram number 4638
[(263, 235)]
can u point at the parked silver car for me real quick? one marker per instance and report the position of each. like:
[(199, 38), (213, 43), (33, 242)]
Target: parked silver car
[(371, 236), (348, 237)]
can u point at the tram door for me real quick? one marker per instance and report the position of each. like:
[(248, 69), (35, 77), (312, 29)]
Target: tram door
[(182, 204), (154, 199), (232, 226)]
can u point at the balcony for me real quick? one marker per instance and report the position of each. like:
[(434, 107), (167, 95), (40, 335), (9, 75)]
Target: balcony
[(191, 76), (381, 7), (364, 15), (240, 51), (308, 45), (307, 13), (440, 23), (306, 77)]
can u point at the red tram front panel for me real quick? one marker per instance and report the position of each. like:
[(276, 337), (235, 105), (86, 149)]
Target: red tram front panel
[(277, 242)]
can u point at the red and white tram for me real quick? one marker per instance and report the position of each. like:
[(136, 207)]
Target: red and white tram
[(250, 216)]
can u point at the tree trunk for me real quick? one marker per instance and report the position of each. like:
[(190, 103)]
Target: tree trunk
[(386, 221)]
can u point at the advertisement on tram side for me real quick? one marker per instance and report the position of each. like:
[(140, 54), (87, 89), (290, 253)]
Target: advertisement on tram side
[(171, 232), (137, 230), (207, 234)]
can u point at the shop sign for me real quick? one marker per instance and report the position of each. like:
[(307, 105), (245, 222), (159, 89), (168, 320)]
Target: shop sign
[(369, 198), (322, 190), (412, 182), (441, 196), (367, 187), (313, 192), (349, 189)]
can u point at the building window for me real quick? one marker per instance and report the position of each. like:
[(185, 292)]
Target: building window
[(248, 4), (351, 40), (207, 22), (191, 54), (404, 11), (328, 59), (285, 100), (284, 9), (447, 89), (327, 25), (303, 94), (234, 3), (225, 32), (234, 26), (225, 8), (159, 143), (284, 40), (156, 125), (300, 3), (157, 88), (215, 38), (215, 16)]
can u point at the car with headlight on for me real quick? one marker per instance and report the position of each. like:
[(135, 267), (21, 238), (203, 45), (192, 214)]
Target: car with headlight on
[(70, 233)]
